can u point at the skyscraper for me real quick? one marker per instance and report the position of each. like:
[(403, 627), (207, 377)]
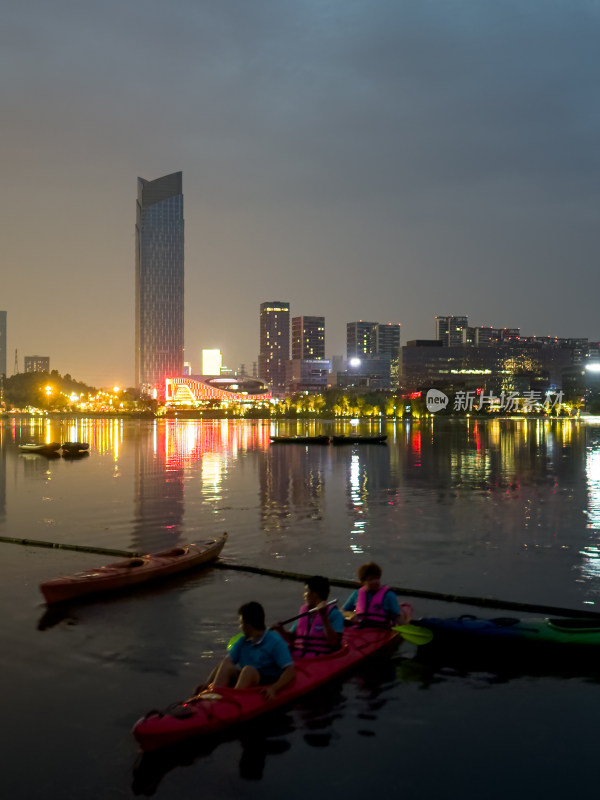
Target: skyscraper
[(308, 338), (274, 344), (361, 339), (159, 281), (451, 330)]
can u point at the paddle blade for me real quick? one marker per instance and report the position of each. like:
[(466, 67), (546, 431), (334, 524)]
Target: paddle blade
[(414, 633), (233, 640)]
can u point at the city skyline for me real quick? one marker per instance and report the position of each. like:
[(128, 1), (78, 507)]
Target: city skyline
[(387, 161)]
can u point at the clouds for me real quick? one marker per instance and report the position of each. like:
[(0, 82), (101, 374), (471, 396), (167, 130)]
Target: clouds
[(383, 159)]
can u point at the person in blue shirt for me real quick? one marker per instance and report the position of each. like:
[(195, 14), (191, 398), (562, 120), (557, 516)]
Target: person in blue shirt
[(259, 657), (320, 627), (374, 604)]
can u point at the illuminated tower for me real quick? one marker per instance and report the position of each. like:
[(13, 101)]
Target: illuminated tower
[(308, 338), (159, 282), (361, 339), (274, 344)]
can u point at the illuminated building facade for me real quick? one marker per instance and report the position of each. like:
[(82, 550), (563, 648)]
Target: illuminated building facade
[(212, 362), (506, 367), (36, 364), (274, 344), (308, 375), (361, 339), (159, 281), (197, 391), (308, 338)]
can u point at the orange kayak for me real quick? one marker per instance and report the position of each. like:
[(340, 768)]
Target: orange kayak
[(218, 708), (132, 571)]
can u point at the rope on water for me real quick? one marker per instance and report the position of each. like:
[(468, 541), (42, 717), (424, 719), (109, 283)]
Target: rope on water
[(83, 548), (481, 602)]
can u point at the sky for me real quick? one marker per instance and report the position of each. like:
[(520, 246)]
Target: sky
[(383, 160)]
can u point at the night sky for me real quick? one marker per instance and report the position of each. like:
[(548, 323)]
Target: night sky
[(385, 160)]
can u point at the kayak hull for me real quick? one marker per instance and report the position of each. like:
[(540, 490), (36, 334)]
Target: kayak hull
[(214, 710), (132, 571), (540, 631)]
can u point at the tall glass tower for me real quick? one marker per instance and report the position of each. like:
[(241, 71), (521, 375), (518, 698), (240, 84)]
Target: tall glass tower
[(274, 344), (159, 279)]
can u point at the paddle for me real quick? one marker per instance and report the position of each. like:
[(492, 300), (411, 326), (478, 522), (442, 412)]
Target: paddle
[(239, 635), (414, 634)]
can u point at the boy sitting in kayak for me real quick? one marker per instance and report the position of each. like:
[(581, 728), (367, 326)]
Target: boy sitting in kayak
[(319, 629), (374, 605), (258, 658)]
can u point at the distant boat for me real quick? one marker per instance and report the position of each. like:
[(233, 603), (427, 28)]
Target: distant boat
[(44, 449), (300, 439), (74, 448), (357, 439)]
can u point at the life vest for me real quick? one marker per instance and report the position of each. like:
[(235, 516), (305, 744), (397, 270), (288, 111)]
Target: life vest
[(370, 612), (311, 637)]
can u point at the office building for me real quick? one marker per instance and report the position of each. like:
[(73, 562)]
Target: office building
[(308, 338), (274, 350), (451, 330), (388, 339), (361, 339), (309, 375), (159, 282), (37, 364)]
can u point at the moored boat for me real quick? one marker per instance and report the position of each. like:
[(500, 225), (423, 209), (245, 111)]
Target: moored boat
[(74, 448), (351, 439), (300, 439), (132, 571), (36, 447), (216, 709)]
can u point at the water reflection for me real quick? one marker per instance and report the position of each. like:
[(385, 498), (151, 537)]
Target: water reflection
[(292, 484), (259, 741), (438, 492)]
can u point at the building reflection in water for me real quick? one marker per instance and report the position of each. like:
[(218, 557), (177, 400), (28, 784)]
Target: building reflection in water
[(591, 552), (292, 483)]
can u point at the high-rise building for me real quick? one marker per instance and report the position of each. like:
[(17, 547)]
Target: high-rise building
[(274, 344), (212, 361), (37, 364), (388, 339), (308, 338), (450, 330), (2, 343), (159, 282), (361, 339)]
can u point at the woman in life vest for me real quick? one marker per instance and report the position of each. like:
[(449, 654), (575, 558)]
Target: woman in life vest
[(319, 629), (375, 605)]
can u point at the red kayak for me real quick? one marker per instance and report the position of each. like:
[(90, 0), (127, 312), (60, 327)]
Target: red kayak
[(215, 709), (132, 571)]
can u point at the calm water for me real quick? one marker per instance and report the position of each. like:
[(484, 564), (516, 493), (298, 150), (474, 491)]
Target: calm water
[(506, 509)]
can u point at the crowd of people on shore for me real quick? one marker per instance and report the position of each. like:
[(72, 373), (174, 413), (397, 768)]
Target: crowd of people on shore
[(265, 657)]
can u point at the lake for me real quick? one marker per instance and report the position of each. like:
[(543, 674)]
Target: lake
[(507, 509)]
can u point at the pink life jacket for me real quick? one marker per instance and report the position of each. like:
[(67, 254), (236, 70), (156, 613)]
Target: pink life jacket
[(372, 613), (311, 637)]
